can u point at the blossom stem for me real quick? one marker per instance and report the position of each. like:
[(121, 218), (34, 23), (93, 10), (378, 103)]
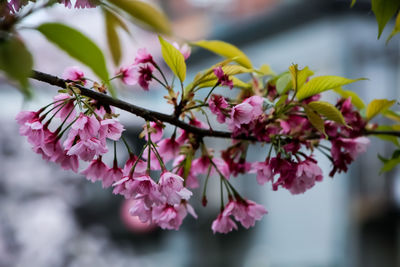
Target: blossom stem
[(115, 163), (222, 193), (162, 74), (126, 145), (160, 82), (206, 182), (209, 93)]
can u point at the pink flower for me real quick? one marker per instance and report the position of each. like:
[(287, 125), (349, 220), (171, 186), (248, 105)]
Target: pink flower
[(246, 212), (141, 210), (218, 106), (85, 3), (224, 224), (264, 172), (222, 167), (191, 179), (223, 79), (355, 146), (87, 149), (140, 167), (142, 57), (156, 131), (66, 3), (144, 187), (129, 75), (112, 175), (171, 187), (86, 126), (34, 131), (96, 170), (201, 165), (145, 76), (307, 173), (184, 49), (257, 103), (68, 162), (74, 74), (168, 148), (111, 129), (64, 108), (241, 114), (169, 217)]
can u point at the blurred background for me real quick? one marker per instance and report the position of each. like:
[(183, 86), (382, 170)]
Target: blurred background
[(50, 217)]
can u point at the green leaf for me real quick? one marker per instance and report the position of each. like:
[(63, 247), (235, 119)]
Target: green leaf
[(389, 138), (187, 165), (395, 116), (236, 83), (77, 45), (322, 83), (299, 77), (353, 2), (281, 100), (112, 36), (396, 28), (265, 70), (226, 50), (355, 99), (377, 106), (390, 164), (327, 110), (315, 119), (384, 10), (283, 84), (16, 61), (174, 59), (145, 14)]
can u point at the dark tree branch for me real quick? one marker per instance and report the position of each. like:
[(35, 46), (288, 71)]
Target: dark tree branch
[(138, 111), (151, 115)]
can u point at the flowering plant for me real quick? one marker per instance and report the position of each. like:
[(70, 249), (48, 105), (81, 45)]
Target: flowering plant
[(282, 111)]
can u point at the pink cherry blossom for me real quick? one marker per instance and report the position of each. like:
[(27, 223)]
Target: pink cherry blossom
[(264, 172), (223, 79), (74, 74), (129, 75), (34, 131), (66, 3), (168, 148), (168, 216), (191, 179), (111, 176), (87, 149), (141, 210), (355, 146), (218, 105), (224, 224), (68, 162), (144, 187), (85, 4), (222, 166), (145, 76), (86, 126), (171, 187), (142, 56), (111, 129), (306, 175), (96, 170), (140, 167), (241, 114), (184, 49), (247, 212), (257, 103), (156, 131), (201, 165), (64, 108)]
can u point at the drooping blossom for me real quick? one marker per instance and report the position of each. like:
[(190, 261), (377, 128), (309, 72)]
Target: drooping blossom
[(111, 176), (241, 114), (171, 187), (145, 76), (129, 75), (87, 149), (68, 162), (306, 175), (111, 129), (246, 212), (74, 74), (223, 79), (64, 107), (219, 107), (171, 216), (143, 56), (141, 210), (224, 224), (85, 3), (86, 126), (168, 148), (96, 170), (264, 172), (156, 131), (184, 49)]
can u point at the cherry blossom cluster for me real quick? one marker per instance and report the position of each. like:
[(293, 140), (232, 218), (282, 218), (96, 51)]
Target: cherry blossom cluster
[(182, 161), (13, 6)]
